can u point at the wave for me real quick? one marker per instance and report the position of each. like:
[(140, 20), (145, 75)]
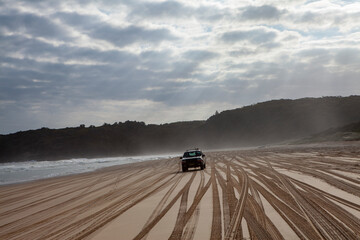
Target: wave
[(16, 172)]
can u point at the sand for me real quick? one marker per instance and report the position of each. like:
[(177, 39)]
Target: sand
[(291, 192)]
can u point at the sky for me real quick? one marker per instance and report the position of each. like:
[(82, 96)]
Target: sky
[(66, 63)]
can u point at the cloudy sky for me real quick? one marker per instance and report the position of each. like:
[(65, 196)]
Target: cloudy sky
[(66, 63)]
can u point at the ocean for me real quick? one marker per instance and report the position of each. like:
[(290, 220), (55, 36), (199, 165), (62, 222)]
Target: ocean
[(16, 172)]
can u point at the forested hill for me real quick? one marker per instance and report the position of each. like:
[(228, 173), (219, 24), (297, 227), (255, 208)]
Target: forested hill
[(280, 120), (262, 123)]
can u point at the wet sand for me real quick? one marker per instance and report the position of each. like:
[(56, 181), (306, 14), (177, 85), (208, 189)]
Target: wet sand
[(273, 193)]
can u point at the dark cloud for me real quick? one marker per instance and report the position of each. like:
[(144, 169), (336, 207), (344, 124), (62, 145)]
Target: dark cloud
[(170, 9), (212, 14), (56, 64), (120, 36), (187, 66), (36, 26), (348, 56), (181, 70), (265, 12), (82, 21), (200, 55), (129, 35), (35, 49), (174, 9), (122, 80), (309, 17), (242, 52), (256, 36), (72, 83), (154, 60), (114, 75)]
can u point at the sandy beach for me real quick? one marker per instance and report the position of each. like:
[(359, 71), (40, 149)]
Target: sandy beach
[(269, 193)]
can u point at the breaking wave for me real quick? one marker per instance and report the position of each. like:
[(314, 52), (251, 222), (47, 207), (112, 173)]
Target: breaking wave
[(16, 172)]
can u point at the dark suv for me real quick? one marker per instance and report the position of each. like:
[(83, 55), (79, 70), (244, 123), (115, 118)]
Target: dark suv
[(193, 158)]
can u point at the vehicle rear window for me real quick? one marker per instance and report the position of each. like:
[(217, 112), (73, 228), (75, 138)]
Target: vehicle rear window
[(192, 154)]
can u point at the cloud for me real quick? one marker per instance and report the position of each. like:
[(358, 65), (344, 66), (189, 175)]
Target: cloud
[(154, 60), (71, 62), (316, 56), (348, 56), (128, 35), (265, 12), (200, 55), (22, 23), (175, 10), (120, 36), (254, 36), (166, 9)]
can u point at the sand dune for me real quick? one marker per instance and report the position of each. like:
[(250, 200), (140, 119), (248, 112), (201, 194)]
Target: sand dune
[(288, 193)]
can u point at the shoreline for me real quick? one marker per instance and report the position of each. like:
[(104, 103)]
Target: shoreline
[(21, 172)]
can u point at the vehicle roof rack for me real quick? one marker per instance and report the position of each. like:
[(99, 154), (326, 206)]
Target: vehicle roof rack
[(192, 149)]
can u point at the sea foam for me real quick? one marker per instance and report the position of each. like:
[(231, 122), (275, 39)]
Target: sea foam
[(16, 172)]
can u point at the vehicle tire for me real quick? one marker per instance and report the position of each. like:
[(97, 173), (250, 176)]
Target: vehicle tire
[(184, 168), (202, 166)]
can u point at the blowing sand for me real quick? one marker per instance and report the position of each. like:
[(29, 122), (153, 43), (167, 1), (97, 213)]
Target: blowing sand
[(278, 193)]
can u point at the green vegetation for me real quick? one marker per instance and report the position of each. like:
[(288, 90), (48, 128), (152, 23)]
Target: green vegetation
[(262, 123)]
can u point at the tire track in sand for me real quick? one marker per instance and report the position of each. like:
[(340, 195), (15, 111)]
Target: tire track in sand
[(150, 225), (189, 231)]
